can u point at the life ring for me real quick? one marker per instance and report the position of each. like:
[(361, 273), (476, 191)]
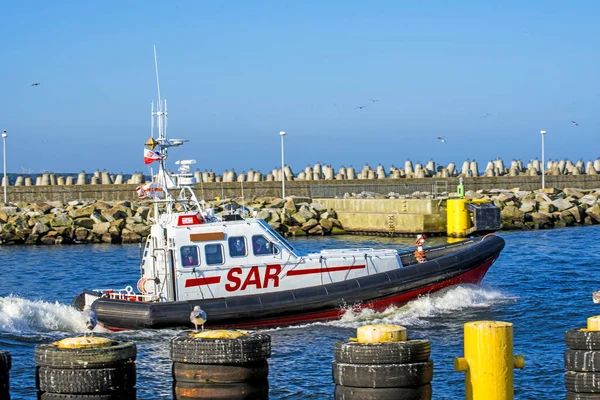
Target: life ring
[(141, 285)]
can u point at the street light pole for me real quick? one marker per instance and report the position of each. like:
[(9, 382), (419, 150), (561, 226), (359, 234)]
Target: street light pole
[(4, 135), (282, 134), (543, 174)]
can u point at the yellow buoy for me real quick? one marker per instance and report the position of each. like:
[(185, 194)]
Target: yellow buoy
[(380, 333), (83, 342), (219, 334)]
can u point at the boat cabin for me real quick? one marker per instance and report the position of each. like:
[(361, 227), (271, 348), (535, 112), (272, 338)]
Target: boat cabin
[(190, 259)]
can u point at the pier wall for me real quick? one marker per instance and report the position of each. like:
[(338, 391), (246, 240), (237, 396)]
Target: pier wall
[(313, 189), (394, 216)]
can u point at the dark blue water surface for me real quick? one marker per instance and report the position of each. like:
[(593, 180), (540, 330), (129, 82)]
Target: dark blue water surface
[(542, 283)]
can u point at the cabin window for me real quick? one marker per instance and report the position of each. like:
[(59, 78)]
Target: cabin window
[(237, 246), (213, 254), (189, 256), (262, 246)]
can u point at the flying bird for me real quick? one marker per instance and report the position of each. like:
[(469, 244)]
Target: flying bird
[(486, 115), (35, 84), (574, 123), (360, 107), (373, 100), (198, 317), (90, 320), (442, 139)]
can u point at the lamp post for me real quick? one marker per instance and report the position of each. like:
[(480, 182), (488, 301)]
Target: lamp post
[(543, 181), (282, 134), (4, 136)]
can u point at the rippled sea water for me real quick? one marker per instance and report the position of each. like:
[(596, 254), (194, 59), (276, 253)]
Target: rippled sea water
[(542, 283)]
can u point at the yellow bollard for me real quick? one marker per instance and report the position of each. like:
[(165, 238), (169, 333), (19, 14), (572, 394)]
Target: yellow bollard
[(381, 333), (593, 323), (489, 360)]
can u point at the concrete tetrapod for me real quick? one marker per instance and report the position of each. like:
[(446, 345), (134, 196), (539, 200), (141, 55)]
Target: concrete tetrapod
[(382, 364), (220, 364)]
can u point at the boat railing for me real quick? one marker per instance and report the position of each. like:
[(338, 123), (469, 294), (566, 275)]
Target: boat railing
[(357, 250), (128, 294)]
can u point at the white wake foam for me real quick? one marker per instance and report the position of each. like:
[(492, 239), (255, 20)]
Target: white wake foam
[(18, 315), (418, 311)]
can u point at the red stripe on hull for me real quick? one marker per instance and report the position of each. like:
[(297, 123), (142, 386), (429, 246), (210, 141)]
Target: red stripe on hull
[(473, 276), (202, 281), (322, 270)]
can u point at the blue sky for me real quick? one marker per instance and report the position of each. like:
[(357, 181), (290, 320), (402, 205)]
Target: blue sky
[(235, 73)]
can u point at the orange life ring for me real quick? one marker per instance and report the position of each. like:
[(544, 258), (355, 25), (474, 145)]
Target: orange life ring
[(141, 283)]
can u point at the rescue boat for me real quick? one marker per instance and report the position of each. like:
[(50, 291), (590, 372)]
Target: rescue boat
[(243, 273)]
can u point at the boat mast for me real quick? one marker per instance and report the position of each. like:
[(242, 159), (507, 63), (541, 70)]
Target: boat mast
[(161, 126)]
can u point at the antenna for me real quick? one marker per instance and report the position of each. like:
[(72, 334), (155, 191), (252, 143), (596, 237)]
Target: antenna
[(202, 186), (243, 206), (223, 194), (157, 81)]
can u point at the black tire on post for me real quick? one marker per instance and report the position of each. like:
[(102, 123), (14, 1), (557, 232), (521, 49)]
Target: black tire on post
[(582, 396), (86, 381), (231, 391), (353, 393), (4, 385), (582, 360), (582, 382), (382, 376), (582, 339), (220, 373), (410, 351), (49, 355), (119, 395), (242, 350), (5, 362)]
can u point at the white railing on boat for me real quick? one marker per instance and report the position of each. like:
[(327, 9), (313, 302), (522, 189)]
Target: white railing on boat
[(127, 294), (357, 250)]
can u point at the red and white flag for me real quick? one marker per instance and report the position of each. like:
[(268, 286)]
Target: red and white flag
[(150, 189), (151, 156)]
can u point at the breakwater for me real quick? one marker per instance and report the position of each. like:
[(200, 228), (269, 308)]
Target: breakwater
[(318, 172), (544, 209), (76, 222), (125, 221), (315, 189)]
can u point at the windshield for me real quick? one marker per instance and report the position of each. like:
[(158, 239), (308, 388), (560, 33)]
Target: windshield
[(280, 239)]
